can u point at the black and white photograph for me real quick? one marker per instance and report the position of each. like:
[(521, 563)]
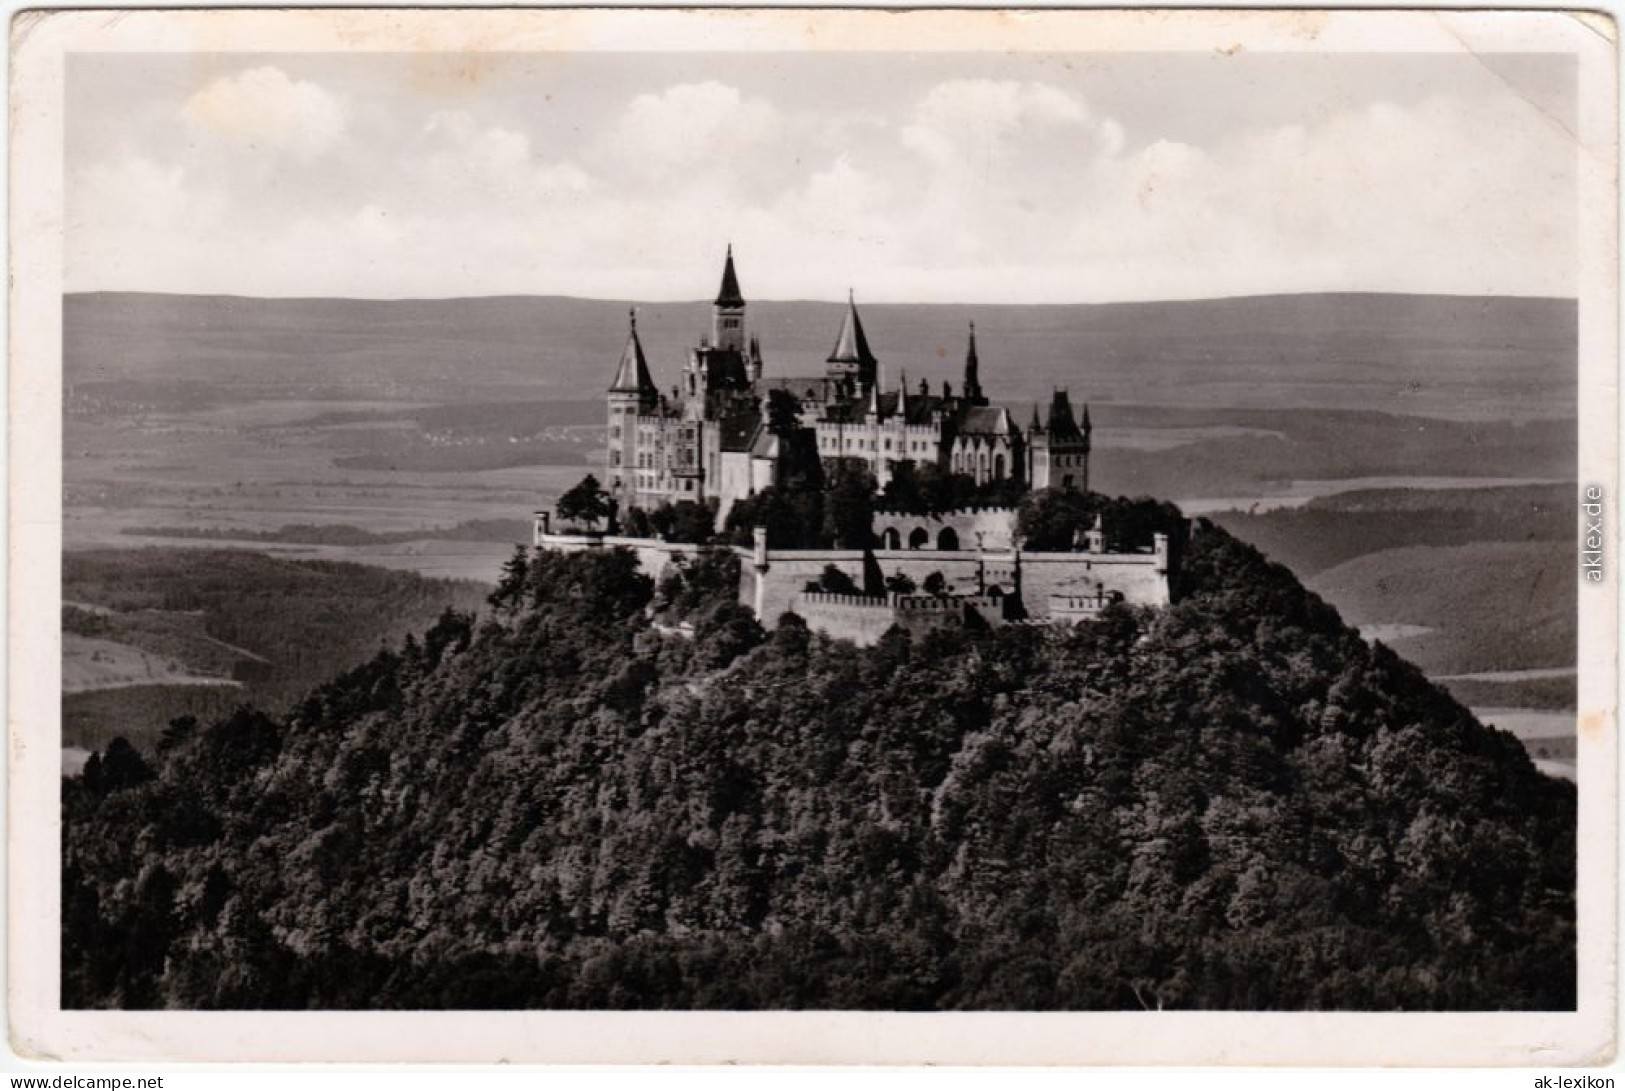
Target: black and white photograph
[(735, 512)]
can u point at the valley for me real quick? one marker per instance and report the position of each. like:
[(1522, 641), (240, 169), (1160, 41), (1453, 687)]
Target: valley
[(1433, 512)]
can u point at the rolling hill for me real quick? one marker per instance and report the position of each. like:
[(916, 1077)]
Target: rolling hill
[(1472, 357)]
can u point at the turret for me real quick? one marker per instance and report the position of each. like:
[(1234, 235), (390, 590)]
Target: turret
[(632, 392), (728, 312), (753, 361), (1058, 449), (851, 358), (1096, 536), (973, 368)]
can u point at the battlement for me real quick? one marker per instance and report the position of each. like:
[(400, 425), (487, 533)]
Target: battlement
[(831, 598), (940, 516)]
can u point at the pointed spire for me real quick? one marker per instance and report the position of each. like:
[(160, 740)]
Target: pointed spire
[(632, 376), (851, 347), (1087, 427), (1063, 426), (902, 394), (874, 400), (728, 295), (973, 372)]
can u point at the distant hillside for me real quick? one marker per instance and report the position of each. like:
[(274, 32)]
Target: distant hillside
[(272, 627), (1234, 803), (1509, 605), (1427, 355), (1329, 530)]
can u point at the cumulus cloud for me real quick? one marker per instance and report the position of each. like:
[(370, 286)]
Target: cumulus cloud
[(263, 107), (963, 120), (966, 189), (686, 125)]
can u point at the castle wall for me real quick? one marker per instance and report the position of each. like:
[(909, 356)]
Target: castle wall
[(995, 527), (1140, 578), (653, 555), (1135, 576), (862, 619), (789, 572)]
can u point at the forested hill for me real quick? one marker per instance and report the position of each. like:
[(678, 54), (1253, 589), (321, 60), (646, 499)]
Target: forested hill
[(1232, 803)]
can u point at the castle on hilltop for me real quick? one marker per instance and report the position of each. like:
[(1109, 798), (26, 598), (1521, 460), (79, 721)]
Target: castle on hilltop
[(728, 431), (715, 436)]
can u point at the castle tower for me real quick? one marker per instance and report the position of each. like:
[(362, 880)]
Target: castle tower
[(973, 370), (728, 312), (631, 394), (851, 358), (1058, 451)]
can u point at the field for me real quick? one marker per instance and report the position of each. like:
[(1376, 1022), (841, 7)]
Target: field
[(150, 635), (1411, 458)]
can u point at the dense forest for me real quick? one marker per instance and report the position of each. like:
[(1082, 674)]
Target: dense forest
[(1232, 803)]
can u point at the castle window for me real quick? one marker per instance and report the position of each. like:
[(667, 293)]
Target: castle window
[(615, 458), (614, 431)]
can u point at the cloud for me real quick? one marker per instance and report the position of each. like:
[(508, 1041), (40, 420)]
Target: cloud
[(966, 189), (264, 108), (686, 125), (964, 120)]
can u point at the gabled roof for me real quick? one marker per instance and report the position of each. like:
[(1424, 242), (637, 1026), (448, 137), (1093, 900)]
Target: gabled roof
[(987, 420), (728, 295), (632, 376), (851, 347)]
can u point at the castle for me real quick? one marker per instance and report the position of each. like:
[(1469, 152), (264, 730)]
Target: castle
[(728, 431), (715, 438)]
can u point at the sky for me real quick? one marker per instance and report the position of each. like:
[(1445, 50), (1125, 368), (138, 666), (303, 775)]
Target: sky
[(999, 178)]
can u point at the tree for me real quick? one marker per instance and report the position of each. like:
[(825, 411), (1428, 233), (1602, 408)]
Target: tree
[(636, 524), (586, 502), (898, 583), (902, 492), (833, 581), (793, 518), (849, 508), (936, 584), (510, 590), (783, 413), (684, 521)]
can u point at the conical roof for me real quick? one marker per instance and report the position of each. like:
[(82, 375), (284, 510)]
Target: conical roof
[(728, 295), (851, 347), (632, 376), (1063, 426)]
